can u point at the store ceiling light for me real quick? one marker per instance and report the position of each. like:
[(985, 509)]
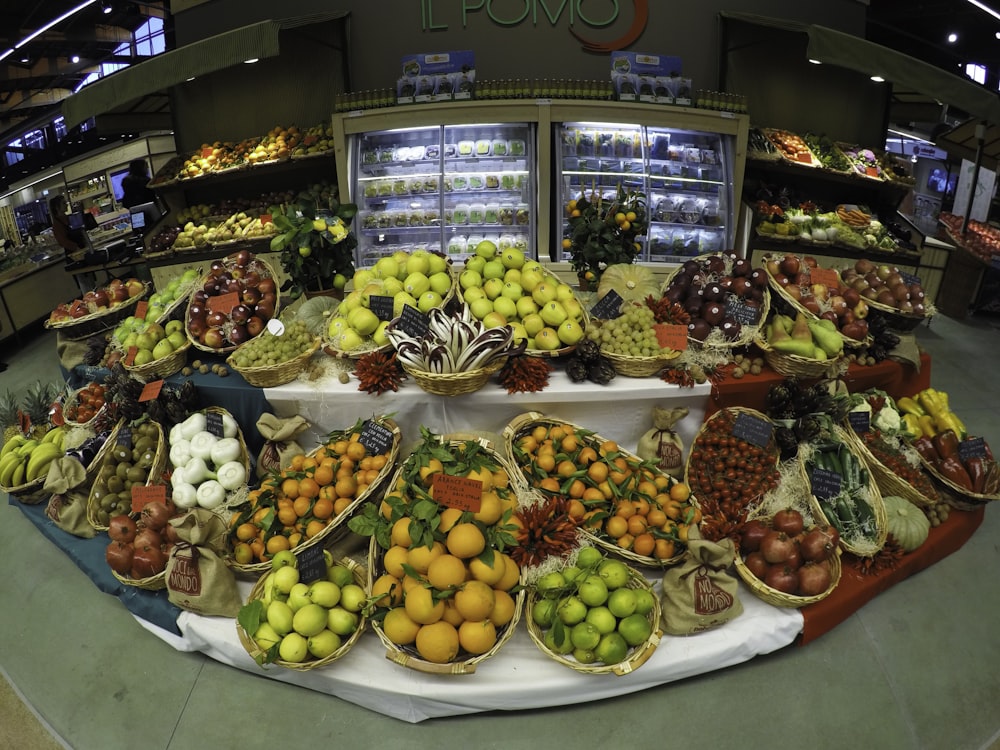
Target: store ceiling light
[(878, 79), (106, 8), (984, 7), (251, 61), (74, 59), (39, 31), (814, 61), (952, 38)]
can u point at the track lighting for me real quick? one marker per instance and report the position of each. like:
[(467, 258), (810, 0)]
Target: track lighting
[(106, 7)]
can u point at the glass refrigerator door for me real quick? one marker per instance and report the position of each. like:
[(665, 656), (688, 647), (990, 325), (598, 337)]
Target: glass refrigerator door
[(690, 194), (398, 192), (684, 175), (488, 188)]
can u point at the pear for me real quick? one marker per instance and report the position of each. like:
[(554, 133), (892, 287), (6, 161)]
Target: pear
[(780, 340)]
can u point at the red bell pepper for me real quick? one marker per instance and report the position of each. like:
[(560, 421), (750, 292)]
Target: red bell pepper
[(977, 468), (951, 468), (927, 451), (946, 443)]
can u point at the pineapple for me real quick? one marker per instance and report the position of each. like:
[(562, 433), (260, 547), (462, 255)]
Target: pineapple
[(9, 406), (37, 402)]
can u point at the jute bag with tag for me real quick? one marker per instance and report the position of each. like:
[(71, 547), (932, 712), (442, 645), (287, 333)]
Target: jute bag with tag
[(67, 507), (699, 594), (279, 441), (198, 579)]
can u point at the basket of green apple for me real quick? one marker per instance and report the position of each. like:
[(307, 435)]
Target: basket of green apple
[(502, 287), (169, 303), (299, 624), (277, 356), (152, 350), (420, 279), (595, 615)]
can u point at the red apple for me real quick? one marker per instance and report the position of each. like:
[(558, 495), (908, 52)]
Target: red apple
[(266, 286), (790, 265), (254, 325), (216, 319), (861, 310), (812, 305), (213, 338), (134, 287), (820, 291)]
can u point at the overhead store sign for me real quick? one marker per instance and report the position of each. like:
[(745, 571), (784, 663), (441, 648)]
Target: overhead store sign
[(557, 12)]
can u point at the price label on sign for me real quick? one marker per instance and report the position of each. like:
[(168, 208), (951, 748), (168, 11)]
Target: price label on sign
[(213, 423), (376, 438), (413, 322), (608, 307), (860, 420), (972, 448), (909, 278), (753, 429), (871, 172), (151, 391), (124, 437), (828, 277), (130, 355), (743, 312), (223, 303), (144, 494), (206, 152), (381, 306), (266, 219), (311, 564), (671, 336), (825, 483), (457, 492), (141, 308), (804, 158)]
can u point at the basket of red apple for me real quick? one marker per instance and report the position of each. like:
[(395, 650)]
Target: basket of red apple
[(98, 310), (892, 294), (233, 304)]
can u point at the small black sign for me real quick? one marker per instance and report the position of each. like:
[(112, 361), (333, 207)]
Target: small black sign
[(825, 483), (376, 438), (124, 437), (974, 447), (381, 306), (213, 423), (908, 278), (608, 307), (861, 421), (311, 564), (742, 312), (753, 429), (413, 322)]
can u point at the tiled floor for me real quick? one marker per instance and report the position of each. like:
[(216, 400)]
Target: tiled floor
[(918, 667)]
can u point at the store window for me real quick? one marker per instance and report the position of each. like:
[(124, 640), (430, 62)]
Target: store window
[(35, 139), (59, 126), (13, 153), (149, 38), (976, 72)]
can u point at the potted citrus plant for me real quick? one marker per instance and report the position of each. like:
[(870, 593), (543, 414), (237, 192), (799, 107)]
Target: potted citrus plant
[(604, 232), (317, 247)]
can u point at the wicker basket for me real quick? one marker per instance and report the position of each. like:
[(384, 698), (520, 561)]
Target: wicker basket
[(152, 583), (878, 507), (70, 400), (897, 320), (797, 307), (794, 366), (270, 376), (255, 651), (748, 333), (337, 526), (637, 655), (779, 598), (104, 319), (155, 469), (265, 271), (638, 367), (888, 483), (163, 367), (27, 493), (524, 424), (454, 383), (956, 495)]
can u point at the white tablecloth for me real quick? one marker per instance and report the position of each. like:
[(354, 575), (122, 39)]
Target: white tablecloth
[(519, 676), (621, 411)]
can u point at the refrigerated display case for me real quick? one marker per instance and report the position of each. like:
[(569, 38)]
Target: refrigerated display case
[(686, 176), (443, 188)]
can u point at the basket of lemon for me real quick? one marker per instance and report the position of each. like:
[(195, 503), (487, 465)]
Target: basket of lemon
[(605, 619), (442, 587)]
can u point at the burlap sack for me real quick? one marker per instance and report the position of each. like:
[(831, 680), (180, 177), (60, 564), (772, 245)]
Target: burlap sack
[(662, 444), (699, 594), (198, 579), (279, 441), (67, 507)]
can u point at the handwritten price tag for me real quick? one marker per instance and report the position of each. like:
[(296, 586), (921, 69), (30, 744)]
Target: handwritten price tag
[(141, 308), (144, 494), (672, 336), (828, 277), (223, 303), (213, 423), (376, 438), (458, 492), (608, 307), (311, 564), (151, 391), (860, 420), (130, 355), (381, 305), (825, 483), (753, 429)]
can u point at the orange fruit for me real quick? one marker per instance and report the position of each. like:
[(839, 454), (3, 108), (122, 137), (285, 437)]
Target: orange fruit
[(356, 451), (449, 517), (616, 526), (323, 508), (287, 516), (438, 642), (550, 484), (295, 538), (625, 509), (290, 488), (587, 455), (475, 600), (400, 533), (656, 517), (387, 591), (575, 509), (680, 492), (597, 471), (323, 474), (340, 447), (245, 531), (644, 544), (488, 574), (301, 506), (446, 571), (465, 540), (546, 462), (421, 606), (399, 628), (664, 549), (341, 504), (296, 463), (420, 557), (276, 544), (490, 509), (625, 541), (477, 637), (636, 525), (512, 573), (503, 608), (346, 486), (314, 527), (393, 560)]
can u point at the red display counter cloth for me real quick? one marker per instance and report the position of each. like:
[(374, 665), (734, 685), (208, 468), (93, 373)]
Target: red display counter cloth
[(894, 378), (856, 589)]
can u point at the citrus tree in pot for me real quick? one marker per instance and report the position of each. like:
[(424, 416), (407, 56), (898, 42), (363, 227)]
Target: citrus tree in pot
[(604, 232), (316, 247)]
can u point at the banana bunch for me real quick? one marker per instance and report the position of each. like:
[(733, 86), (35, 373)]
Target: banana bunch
[(854, 217), (23, 460), (456, 343)]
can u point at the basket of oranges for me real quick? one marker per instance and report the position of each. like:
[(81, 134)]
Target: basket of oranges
[(625, 505), (309, 501)]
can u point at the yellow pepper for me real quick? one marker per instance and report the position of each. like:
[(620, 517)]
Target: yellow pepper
[(948, 421), (930, 400), (927, 425), (912, 422), (908, 406)]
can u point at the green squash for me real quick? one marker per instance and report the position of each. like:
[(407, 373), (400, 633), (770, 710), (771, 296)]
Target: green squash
[(907, 523)]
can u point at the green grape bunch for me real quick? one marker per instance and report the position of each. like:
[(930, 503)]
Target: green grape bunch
[(267, 349), (631, 333)]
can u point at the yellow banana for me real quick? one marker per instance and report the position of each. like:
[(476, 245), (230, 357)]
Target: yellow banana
[(12, 445), (18, 478), (29, 446), (54, 435), (40, 459), (7, 466)]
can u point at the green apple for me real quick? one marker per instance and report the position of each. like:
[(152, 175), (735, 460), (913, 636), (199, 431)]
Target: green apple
[(440, 281), (533, 324), (349, 340), (352, 597), (564, 292), (379, 336), (569, 331), (553, 313), (189, 275), (363, 320), (337, 326), (143, 357), (493, 288), (470, 279), (512, 258), (512, 291), (519, 333), (285, 558), (339, 281), (473, 293), (506, 307), (386, 268), (546, 339), (293, 648), (173, 326), (573, 308), (493, 270), (279, 617), (481, 308), (392, 287), (324, 593), (298, 597), (401, 300), (153, 312), (325, 643), (341, 622), (526, 306), (339, 574), (351, 302), (163, 348), (513, 274), (362, 276), (145, 341), (486, 249), (428, 301), (494, 320), (416, 283), (436, 264), (476, 263), (419, 262), (374, 287), (544, 292), (533, 265), (265, 637), (309, 620)]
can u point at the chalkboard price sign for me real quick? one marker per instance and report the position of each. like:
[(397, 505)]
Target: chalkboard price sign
[(753, 429), (825, 483)]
